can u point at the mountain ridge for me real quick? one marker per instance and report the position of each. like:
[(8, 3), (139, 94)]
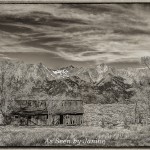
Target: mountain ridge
[(93, 84)]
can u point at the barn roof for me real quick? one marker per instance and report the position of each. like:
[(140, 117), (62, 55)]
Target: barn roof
[(57, 107), (65, 97), (46, 98), (65, 106)]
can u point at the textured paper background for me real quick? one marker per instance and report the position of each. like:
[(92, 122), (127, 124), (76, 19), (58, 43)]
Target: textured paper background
[(72, 1)]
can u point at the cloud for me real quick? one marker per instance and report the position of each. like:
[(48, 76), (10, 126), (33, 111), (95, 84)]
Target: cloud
[(2, 57), (77, 32)]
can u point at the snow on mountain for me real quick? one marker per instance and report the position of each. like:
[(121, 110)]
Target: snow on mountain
[(61, 73)]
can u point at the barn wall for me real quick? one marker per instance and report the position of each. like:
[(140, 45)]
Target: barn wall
[(15, 120), (67, 120), (56, 120), (33, 120), (23, 121), (53, 120), (42, 120), (73, 119)]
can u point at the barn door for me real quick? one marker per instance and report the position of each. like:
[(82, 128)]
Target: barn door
[(32, 120), (23, 121), (73, 120), (66, 119), (56, 120), (61, 119)]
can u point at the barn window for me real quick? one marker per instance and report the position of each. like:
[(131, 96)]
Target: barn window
[(41, 104), (29, 103), (16, 116), (36, 117), (70, 103), (72, 121), (26, 103), (44, 103), (67, 116), (36, 104)]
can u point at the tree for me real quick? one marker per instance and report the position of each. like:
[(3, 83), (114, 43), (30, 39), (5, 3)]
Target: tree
[(6, 78), (142, 104), (146, 61), (12, 86), (141, 97)]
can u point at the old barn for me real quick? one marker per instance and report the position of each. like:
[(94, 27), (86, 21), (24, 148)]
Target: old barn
[(58, 111)]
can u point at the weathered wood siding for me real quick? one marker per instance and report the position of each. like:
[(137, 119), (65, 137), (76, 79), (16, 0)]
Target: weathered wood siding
[(22, 121), (15, 120), (56, 120), (66, 107), (42, 120), (73, 119), (53, 120), (33, 120)]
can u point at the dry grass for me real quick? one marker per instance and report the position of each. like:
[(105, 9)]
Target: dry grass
[(29, 136)]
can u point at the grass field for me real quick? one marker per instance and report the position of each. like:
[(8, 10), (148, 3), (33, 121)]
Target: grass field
[(74, 136)]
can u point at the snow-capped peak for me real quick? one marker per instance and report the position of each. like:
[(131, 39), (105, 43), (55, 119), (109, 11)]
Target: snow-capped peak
[(61, 73)]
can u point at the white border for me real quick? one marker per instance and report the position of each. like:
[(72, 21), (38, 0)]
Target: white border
[(74, 1)]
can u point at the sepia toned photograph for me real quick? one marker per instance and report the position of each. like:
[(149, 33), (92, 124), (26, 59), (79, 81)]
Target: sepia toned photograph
[(75, 75)]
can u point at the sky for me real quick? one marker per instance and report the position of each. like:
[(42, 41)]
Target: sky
[(60, 35)]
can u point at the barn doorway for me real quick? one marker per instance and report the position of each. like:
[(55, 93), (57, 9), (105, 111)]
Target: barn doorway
[(61, 119)]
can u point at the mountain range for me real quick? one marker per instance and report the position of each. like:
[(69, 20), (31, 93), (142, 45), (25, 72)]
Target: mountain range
[(95, 84)]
